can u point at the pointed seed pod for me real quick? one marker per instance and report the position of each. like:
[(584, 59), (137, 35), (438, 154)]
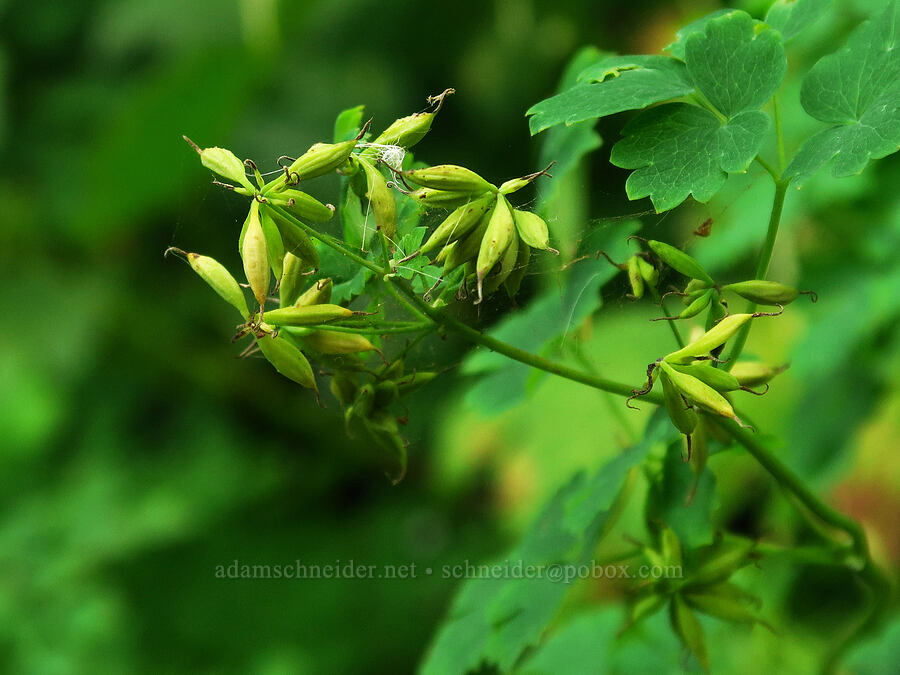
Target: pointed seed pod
[(448, 177), (255, 256), (682, 415), (715, 337), (274, 244), (296, 241), (331, 342), (459, 223), (697, 305), (410, 383), (220, 280), (381, 201), (720, 560), (222, 162), (317, 294), (671, 546), (448, 199), (764, 292), (288, 360), (688, 628), (635, 278), (721, 607), (645, 607), (718, 379), (516, 184), (305, 206), (679, 261), (695, 285), (307, 315), (344, 387), (506, 266), (698, 392), (292, 279), (648, 272), (321, 158), (465, 249), (514, 280), (409, 130), (532, 229), (755, 373), (497, 237)]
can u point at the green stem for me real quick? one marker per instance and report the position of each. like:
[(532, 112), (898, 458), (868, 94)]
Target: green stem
[(516, 354), (762, 264), (779, 133), (662, 303), (413, 327)]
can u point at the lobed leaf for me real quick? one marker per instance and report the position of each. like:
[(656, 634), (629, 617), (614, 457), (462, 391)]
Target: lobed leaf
[(790, 17), (856, 88)]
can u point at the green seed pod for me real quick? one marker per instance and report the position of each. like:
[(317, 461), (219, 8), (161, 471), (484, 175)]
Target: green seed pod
[(764, 292), (320, 159), (288, 360), (292, 278), (695, 285), (448, 199), (459, 223), (648, 272), (721, 606), (516, 184), (506, 266), (683, 416), (718, 379), (364, 403), (224, 163), (296, 242), (698, 392), (717, 310), (344, 387), (497, 238), (755, 373), (645, 607), (514, 280), (717, 562), (274, 244), (671, 546), (306, 206), (448, 177), (715, 337), (697, 304), (381, 201), (688, 628), (407, 131), (255, 256), (679, 261), (413, 381), (465, 249), (317, 294), (635, 278), (220, 280), (386, 392), (392, 370), (307, 315), (331, 342), (532, 229)]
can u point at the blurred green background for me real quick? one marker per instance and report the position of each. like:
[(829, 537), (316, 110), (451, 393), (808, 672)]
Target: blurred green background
[(138, 453)]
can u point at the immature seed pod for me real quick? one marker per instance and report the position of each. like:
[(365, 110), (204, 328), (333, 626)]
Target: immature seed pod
[(720, 560), (696, 285), (458, 223), (306, 206), (721, 606), (224, 163), (381, 201), (274, 244), (506, 266), (288, 360), (364, 403), (764, 292), (409, 130), (696, 306), (648, 272), (688, 628), (516, 184), (448, 177), (344, 387), (331, 342), (307, 315), (532, 229), (718, 379), (292, 278), (635, 278), (679, 261), (683, 416), (671, 546), (497, 237), (716, 336), (317, 294), (220, 280), (645, 607), (296, 241), (698, 392), (255, 256), (386, 392), (448, 199), (320, 159), (465, 249), (413, 381), (755, 373), (514, 280)]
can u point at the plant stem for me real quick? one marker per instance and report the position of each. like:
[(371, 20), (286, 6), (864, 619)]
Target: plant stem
[(762, 264), (662, 303), (779, 133), (514, 353), (412, 327)]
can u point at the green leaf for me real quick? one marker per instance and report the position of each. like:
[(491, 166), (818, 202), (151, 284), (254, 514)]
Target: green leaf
[(494, 620), (612, 85), (676, 48), (789, 17), (679, 150), (858, 89), (736, 64), (348, 123)]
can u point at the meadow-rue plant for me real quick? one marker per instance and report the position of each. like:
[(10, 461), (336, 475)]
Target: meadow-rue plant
[(703, 116)]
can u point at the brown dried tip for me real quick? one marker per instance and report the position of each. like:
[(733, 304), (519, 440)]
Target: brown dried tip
[(612, 262), (439, 99), (543, 172), (192, 144), (813, 296), (365, 128), (780, 311), (175, 250), (634, 236), (647, 387)]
